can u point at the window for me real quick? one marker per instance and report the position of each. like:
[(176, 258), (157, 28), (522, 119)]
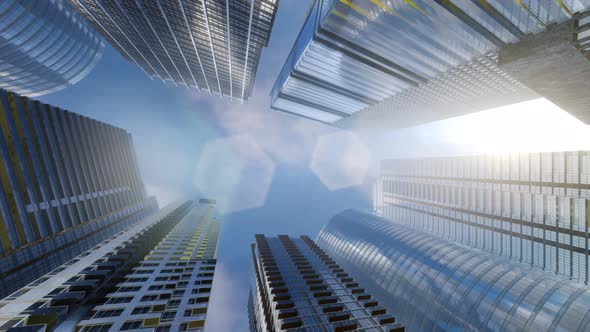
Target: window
[(131, 325), (128, 289), (115, 300), (140, 310), (97, 328), (108, 313), (201, 290), (168, 316), (173, 303), (147, 298)]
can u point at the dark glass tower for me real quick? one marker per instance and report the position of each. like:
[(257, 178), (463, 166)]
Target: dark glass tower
[(68, 183), (298, 287), (157, 275), (436, 285), (45, 46), (213, 46)]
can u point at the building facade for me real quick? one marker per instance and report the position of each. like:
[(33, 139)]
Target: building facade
[(298, 287), (438, 285), (61, 298), (531, 207), (68, 183), (156, 274), (213, 46), (45, 46), (402, 61), (169, 289)]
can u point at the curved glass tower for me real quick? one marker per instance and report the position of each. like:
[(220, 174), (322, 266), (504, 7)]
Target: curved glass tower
[(45, 46), (447, 286)]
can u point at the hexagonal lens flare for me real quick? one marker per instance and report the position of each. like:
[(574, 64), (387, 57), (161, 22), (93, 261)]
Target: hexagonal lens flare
[(340, 160), (236, 172)]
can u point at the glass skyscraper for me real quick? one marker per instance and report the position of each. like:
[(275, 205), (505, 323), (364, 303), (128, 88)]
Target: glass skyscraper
[(45, 46), (531, 207), (408, 58), (213, 46), (298, 287), (433, 284), (68, 183), (154, 274)]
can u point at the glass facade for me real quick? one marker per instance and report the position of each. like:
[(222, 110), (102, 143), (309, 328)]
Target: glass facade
[(210, 45), (298, 287), (531, 207), (68, 182), (351, 55), (45, 46), (61, 298), (433, 284)]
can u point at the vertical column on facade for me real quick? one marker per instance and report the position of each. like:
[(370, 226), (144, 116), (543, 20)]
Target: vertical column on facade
[(14, 193), (132, 178), (85, 165), (63, 161), (72, 159), (92, 163), (56, 164), (23, 167), (104, 165), (125, 176), (135, 165), (23, 107), (103, 149), (116, 162), (46, 164), (81, 188)]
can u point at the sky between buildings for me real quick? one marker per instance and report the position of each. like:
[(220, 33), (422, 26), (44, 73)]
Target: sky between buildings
[(273, 173)]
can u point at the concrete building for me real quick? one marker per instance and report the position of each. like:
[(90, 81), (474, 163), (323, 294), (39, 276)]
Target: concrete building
[(155, 275), (68, 183), (434, 284), (213, 46), (45, 46), (531, 207), (298, 287)]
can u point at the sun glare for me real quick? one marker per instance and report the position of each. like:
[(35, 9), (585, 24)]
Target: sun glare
[(532, 126)]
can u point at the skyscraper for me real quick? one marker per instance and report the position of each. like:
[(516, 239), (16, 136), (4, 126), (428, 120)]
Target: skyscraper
[(401, 63), (168, 290), (531, 207), (434, 284), (45, 46), (298, 287), (134, 275), (68, 183), (213, 46)]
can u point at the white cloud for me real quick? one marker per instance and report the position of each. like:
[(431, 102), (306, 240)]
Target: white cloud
[(288, 139), (164, 196)]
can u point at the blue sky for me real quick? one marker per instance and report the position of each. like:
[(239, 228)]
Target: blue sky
[(274, 173)]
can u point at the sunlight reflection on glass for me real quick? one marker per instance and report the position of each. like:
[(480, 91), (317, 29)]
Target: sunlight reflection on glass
[(236, 172)]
